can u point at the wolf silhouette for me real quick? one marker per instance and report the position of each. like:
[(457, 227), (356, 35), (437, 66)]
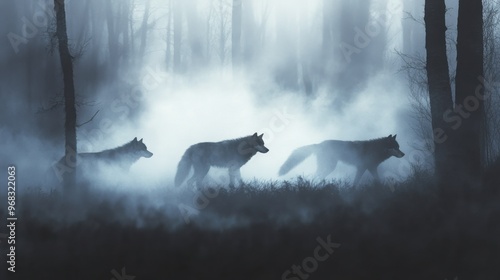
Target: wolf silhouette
[(230, 154), (365, 155), (120, 158)]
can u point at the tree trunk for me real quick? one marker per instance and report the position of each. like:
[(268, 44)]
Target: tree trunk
[(144, 30), (469, 90), (327, 28), (305, 54), (112, 39), (222, 35), (236, 34), (125, 31), (168, 55), (355, 46), (177, 35), (286, 65), (250, 38), (195, 30), (69, 95), (439, 84)]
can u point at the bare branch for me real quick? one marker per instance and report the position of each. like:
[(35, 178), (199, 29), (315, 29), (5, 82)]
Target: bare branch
[(91, 119)]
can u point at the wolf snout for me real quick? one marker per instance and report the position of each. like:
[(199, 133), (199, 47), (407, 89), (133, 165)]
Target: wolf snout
[(400, 154), (262, 149), (147, 154), (396, 152)]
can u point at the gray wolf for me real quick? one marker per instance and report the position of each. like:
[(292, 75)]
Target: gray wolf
[(364, 155), (120, 158), (230, 154)]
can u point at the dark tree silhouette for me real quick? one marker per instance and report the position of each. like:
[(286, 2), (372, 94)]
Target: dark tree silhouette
[(438, 82), (456, 125), (69, 94), (469, 90)]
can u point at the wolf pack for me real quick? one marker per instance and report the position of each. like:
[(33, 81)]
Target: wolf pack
[(233, 154)]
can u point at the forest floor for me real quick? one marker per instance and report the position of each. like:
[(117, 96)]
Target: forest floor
[(262, 230)]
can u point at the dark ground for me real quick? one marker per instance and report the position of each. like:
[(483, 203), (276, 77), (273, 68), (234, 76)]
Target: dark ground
[(259, 231)]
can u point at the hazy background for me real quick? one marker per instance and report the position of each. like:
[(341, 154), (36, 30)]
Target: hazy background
[(295, 81), (180, 72)]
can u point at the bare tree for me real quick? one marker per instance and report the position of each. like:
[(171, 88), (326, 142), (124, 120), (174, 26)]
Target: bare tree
[(144, 29), (249, 35), (69, 95), (457, 125), (467, 93), (492, 73), (236, 33), (168, 55), (177, 35), (327, 38), (438, 82), (219, 28), (125, 29), (195, 35), (112, 36), (286, 72)]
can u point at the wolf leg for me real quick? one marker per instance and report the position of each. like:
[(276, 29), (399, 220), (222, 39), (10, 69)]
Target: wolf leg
[(325, 170), (359, 173), (200, 170), (234, 174), (326, 165), (374, 172)]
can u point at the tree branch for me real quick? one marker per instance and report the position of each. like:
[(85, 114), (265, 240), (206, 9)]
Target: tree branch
[(91, 119)]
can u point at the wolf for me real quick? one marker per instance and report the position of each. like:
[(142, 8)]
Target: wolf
[(120, 158), (230, 154), (364, 155)]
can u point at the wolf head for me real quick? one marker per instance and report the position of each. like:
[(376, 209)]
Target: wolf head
[(393, 146), (257, 143), (141, 149)]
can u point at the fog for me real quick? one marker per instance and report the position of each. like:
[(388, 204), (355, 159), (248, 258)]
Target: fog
[(171, 74), (359, 96)]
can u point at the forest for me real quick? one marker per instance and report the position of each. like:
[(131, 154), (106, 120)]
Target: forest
[(105, 99)]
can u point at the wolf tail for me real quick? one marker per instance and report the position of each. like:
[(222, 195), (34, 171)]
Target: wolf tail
[(297, 156), (183, 168)]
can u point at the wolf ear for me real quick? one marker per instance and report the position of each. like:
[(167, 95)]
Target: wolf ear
[(140, 140), (255, 134), (394, 137), (390, 136), (135, 139), (260, 136)]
